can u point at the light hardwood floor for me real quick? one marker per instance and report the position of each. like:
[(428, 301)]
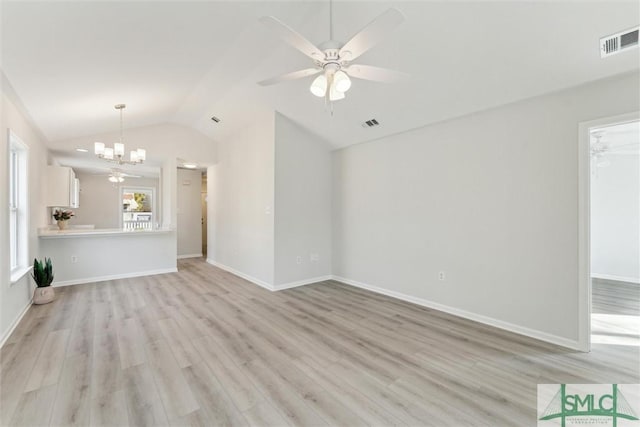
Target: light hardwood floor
[(204, 347), (615, 313)]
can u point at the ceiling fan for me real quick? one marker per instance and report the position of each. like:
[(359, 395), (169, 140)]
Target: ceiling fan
[(601, 149), (117, 175), (332, 59)]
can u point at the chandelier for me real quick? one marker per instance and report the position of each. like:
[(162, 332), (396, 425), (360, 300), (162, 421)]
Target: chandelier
[(116, 154)]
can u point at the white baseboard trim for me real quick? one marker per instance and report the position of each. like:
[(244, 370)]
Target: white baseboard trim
[(114, 277), (521, 330), (251, 279), (15, 324), (190, 256), (302, 282), (263, 284), (635, 280)]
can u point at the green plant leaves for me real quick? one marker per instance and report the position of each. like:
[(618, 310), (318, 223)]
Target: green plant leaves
[(42, 272)]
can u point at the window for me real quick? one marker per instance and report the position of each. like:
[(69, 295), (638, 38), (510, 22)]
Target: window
[(13, 207), (138, 208), (18, 203)]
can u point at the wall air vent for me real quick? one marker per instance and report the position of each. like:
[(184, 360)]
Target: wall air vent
[(370, 123), (215, 119), (616, 43)]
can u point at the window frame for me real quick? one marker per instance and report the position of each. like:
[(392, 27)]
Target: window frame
[(142, 189), (18, 207)]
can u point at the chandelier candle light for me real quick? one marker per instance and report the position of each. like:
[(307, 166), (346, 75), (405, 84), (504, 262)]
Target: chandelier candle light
[(116, 154)]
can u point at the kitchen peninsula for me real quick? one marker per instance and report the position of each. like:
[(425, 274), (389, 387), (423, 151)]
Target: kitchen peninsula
[(84, 255)]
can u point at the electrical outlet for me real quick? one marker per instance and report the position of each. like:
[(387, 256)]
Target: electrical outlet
[(314, 257), (74, 259), (298, 259), (441, 276)]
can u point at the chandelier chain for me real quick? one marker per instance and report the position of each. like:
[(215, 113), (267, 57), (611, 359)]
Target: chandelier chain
[(121, 127)]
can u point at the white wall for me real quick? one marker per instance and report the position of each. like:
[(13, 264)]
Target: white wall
[(491, 199), (15, 298), (189, 210), (615, 219), (100, 202), (240, 188), (302, 205), (169, 188)]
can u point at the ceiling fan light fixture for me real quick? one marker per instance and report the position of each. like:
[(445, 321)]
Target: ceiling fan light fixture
[(341, 81), (335, 95), (116, 176), (319, 86)]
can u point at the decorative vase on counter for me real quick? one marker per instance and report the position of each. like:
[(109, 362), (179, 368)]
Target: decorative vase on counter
[(62, 216), (43, 295)]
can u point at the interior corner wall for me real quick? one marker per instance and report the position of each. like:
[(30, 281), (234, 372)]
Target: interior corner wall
[(189, 222), (240, 191), (16, 297), (169, 202), (490, 199), (615, 219), (302, 205)]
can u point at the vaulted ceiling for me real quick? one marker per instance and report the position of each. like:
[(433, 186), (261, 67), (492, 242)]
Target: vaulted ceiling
[(182, 62)]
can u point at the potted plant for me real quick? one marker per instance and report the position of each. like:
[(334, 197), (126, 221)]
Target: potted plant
[(62, 216), (43, 276)]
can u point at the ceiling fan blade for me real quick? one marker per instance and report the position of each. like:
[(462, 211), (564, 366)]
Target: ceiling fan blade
[(618, 146), (377, 74), (292, 37), (372, 34), (290, 76)]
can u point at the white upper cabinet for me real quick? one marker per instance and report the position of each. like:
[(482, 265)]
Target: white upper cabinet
[(63, 188)]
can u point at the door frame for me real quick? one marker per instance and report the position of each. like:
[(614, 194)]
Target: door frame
[(584, 220)]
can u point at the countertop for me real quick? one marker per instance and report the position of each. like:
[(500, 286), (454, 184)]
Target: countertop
[(88, 232)]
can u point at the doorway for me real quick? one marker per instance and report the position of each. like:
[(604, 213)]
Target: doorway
[(609, 229), (203, 204), (189, 213)]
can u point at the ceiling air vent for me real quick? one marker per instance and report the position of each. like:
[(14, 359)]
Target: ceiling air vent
[(370, 123), (215, 119), (616, 43)]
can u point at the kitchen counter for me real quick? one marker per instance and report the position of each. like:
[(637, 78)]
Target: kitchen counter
[(95, 255), (88, 232)]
